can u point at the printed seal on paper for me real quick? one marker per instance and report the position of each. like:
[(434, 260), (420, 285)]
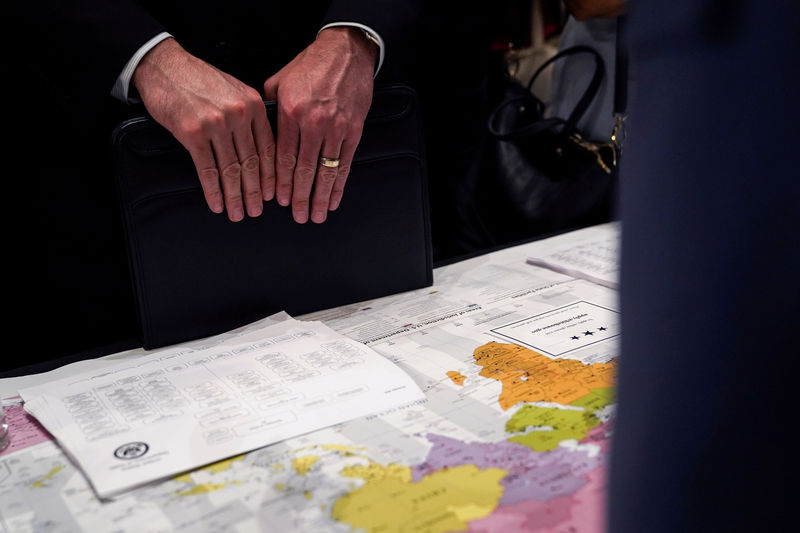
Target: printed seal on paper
[(131, 450)]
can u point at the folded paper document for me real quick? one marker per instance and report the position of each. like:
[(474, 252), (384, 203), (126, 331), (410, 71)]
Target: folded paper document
[(590, 253), (189, 405)]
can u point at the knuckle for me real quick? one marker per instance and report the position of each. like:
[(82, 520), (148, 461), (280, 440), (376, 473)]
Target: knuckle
[(287, 160), (232, 171), (341, 123), (251, 163), (213, 120), (233, 195), (354, 130), (305, 174), (237, 108), (293, 109), (253, 96), (208, 174), (252, 196), (268, 151), (214, 195), (191, 129), (326, 176)]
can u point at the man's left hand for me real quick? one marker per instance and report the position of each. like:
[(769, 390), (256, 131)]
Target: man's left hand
[(323, 97)]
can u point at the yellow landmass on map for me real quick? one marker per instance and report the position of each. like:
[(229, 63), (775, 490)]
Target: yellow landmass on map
[(457, 377), (558, 424), (203, 487), (51, 473), (374, 472), (304, 463), (445, 500), (344, 450), (528, 376), (564, 424)]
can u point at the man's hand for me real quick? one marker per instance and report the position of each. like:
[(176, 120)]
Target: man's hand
[(323, 97), (220, 120)]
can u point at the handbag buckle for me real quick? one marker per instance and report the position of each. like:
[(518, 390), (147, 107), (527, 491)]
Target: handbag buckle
[(596, 149), (619, 133)]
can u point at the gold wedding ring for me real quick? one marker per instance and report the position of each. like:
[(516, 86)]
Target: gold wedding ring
[(328, 162)]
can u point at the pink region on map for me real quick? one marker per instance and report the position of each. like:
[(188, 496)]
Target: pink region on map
[(525, 516), (23, 429), (532, 475), (588, 507), (583, 512), (601, 436)]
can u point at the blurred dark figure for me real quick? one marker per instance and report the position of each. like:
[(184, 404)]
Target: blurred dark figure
[(710, 265)]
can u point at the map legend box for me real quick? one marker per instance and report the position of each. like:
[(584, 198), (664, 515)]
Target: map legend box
[(563, 330)]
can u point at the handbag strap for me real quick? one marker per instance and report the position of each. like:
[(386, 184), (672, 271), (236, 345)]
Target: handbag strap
[(527, 130), (591, 90), (618, 134)]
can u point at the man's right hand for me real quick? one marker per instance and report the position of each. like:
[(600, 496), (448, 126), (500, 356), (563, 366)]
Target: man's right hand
[(220, 120)]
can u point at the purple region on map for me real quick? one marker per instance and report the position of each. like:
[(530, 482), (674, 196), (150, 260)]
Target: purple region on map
[(532, 475)]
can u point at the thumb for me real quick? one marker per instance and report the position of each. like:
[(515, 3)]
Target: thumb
[(271, 87)]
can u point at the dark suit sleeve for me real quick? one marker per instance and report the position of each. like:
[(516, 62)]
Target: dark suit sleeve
[(391, 19), (85, 44)]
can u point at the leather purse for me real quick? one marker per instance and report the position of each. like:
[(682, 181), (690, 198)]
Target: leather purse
[(549, 174), (195, 273)]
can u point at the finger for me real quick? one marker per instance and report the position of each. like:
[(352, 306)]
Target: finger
[(265, 144), (286, 156), (345, 163), (304, 172), (271, 87), (230, 172), (323, 185), (203, 158), (250, 170)]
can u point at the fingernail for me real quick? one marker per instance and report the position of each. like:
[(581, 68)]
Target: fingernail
[(318, 216), (283, 201), (301, 217), (254, 211), (237, 214)]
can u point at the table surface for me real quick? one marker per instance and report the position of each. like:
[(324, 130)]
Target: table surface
[(517, 363)]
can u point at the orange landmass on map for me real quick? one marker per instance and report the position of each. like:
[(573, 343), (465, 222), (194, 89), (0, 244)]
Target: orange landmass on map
[(528, 376), (457, 377)]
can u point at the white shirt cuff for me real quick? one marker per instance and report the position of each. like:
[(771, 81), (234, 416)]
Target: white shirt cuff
[(121, 87), (375, 38)]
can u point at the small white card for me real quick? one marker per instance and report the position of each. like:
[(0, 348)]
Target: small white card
[(563, 330)]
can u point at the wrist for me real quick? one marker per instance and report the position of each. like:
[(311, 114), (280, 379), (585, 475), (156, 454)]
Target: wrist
[(155, 62), (356, 40)]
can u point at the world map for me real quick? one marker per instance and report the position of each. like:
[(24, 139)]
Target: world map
[(546, 475), (517, 364)]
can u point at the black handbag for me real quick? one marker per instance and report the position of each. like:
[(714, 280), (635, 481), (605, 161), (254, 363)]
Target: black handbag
[(548, 173), (197, 274)]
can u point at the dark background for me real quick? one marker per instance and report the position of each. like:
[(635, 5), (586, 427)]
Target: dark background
[(69, 288)]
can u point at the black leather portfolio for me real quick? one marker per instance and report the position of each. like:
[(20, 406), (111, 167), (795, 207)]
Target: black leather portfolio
[(195, 273)]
